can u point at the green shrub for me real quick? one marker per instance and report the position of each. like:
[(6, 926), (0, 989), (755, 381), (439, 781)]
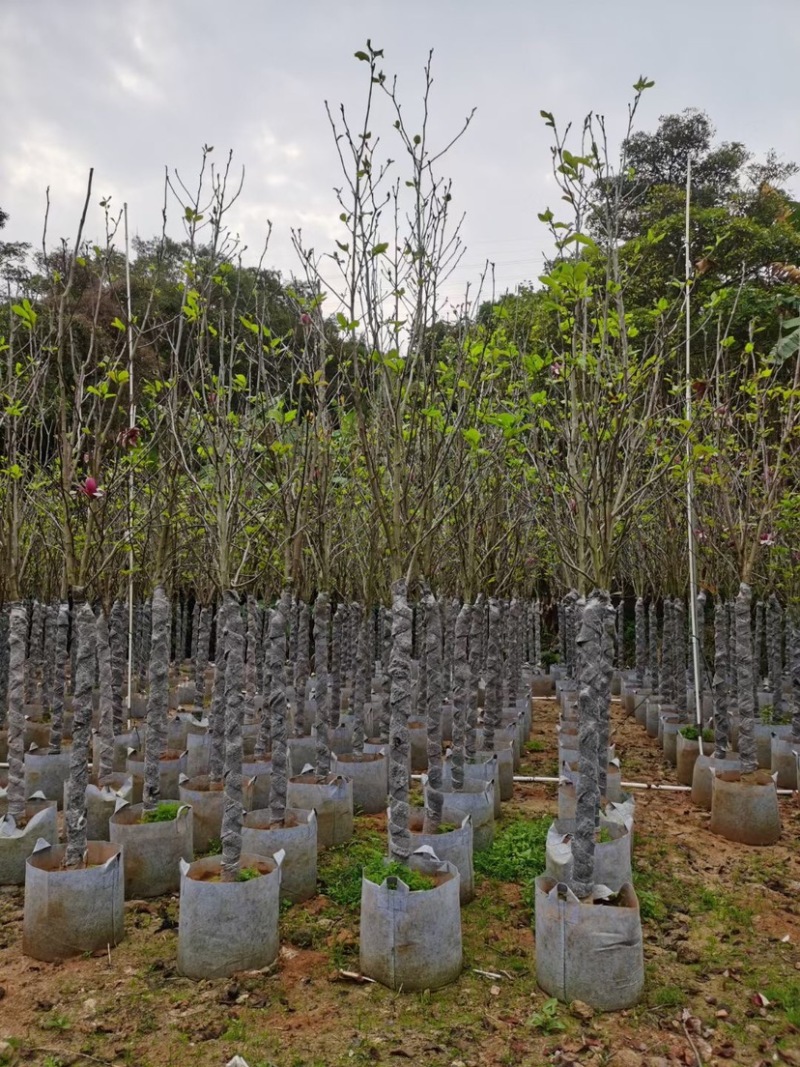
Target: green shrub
[(165, 811), (691, 733), (379, 870), (518, 853)]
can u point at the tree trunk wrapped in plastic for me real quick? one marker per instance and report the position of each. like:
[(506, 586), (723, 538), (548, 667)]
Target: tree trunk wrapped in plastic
[(475, 666), (275, 698), (322, 618), (17, 639), (105, 732), (652, 635), (203, 647), (596, 641), (85, 671), (794, 670), (720, 684), (61, 655), (462, 693), (234, 715), (433, 658), (641, 640), (744, 677), (157, 699), (400, 703), (301, 668), (362, 677), (118, 640), (216, 724)]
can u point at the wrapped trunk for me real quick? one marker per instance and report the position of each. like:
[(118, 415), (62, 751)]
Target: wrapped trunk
[(462, 694), (59, 674), (275, 697), (494, 674), (338, 638), (621, 632), (653, 645), (475, 628), (720, 683), (562, 633), (17, 640), (105, 732), (679, 610), (264, 739), (146, 650), (641, 640), (203, 648), (34, 673), (514, 646), (285, 604), (301, 668), (216, 717), (251, 654), (48, 666), (118, 639), (322, 618), (775, 654), (794, 668), (420, 654), (744, 678), (362, 676), (85, 670), (157, 699), (386, 648), (453, 608), (4, 657), (195, 632), (667, 689), (399, 743), (758, 645), (234, 715), (433, 659), (537, 634), (596, 641)]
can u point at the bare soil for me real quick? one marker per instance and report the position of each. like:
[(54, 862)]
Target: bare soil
[(722, 951)]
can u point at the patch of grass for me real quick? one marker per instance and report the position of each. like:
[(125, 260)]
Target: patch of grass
[(165, 811), (378, 871), (787, 998), (54, 1021), (535, 746), (235, 1031), (518, 852), (668, 996), (721, 905), (652, 907), (339, 869)]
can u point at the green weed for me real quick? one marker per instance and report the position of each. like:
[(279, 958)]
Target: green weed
[(165, 811), (546, 1021)]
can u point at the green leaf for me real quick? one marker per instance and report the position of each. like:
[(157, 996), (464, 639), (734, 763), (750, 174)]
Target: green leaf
[(362, 56), (379, 249), (118, 323)]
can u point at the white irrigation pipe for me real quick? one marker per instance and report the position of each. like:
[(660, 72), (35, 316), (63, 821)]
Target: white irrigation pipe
[(690, 514), (664, 787), (131, 425)]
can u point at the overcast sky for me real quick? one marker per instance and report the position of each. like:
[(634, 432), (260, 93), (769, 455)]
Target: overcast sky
[(131, 86)]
